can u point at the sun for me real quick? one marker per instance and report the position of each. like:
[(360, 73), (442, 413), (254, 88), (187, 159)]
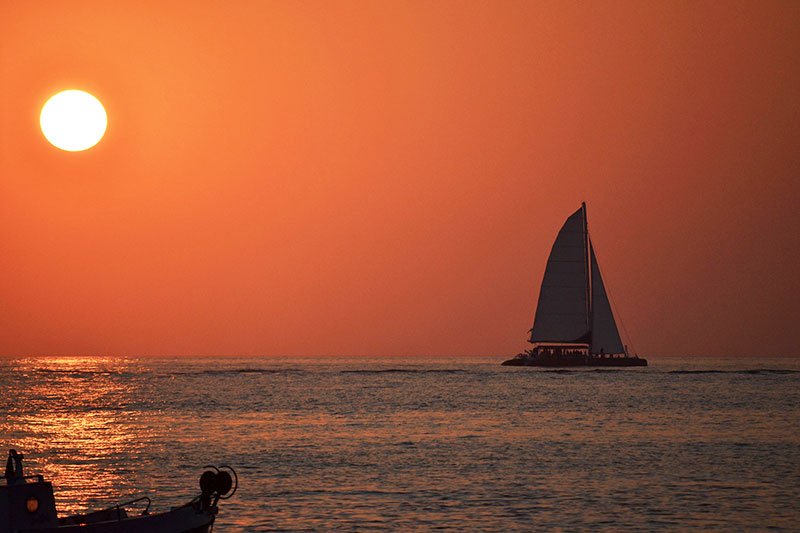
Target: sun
[(73, 120)]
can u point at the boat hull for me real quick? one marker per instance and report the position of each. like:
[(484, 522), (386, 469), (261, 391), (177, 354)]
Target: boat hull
[(185, 519), (567, 361)]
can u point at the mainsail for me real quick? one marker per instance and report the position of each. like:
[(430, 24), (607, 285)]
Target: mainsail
[(605, 335), (562, 311)]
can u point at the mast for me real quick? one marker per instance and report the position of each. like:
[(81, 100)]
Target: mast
[(588, 269)]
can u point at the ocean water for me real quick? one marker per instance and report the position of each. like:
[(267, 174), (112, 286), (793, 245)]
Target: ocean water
[(418, 443)]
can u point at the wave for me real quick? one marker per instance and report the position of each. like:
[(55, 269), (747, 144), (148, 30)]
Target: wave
[(406, 371), (748, 371), (79, 372), (73, 372), (244, 371), (586, 371)]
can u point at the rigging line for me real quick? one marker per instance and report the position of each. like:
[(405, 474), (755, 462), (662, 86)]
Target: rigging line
[(614, 308)]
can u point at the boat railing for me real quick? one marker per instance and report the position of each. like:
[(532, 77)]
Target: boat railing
[(120, 507), (116, 512)]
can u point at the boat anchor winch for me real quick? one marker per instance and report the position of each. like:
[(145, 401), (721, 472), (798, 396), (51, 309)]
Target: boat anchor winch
[(217, 484)]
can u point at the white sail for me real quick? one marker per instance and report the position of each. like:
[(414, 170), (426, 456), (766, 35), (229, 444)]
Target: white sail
[(605, 335), (562, 311)]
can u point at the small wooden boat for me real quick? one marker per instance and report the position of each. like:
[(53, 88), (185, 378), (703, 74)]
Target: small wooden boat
[(574, 324), (27, 504)]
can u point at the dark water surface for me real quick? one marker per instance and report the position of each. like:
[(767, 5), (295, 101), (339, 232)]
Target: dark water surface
[(418, 443)]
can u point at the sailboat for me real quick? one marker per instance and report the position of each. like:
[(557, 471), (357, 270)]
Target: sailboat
[(574, 324)]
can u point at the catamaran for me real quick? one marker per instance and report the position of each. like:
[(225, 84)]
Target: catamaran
[(574, 324)]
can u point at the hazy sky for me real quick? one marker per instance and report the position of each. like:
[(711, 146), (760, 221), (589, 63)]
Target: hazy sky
[(388, 177)]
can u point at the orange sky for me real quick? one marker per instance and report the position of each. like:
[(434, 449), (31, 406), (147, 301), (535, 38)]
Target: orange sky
[(388, 177)]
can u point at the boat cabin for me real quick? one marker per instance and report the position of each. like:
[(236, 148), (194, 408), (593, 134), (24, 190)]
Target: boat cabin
[(560, 349), (27, 503)]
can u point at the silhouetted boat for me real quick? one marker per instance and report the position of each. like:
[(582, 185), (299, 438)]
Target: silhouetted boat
[(27, 504), (574, 324)]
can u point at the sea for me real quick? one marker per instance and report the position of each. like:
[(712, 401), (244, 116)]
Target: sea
[(417, 444)]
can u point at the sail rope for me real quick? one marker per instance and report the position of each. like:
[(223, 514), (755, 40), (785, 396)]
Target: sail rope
[(614, 308)]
